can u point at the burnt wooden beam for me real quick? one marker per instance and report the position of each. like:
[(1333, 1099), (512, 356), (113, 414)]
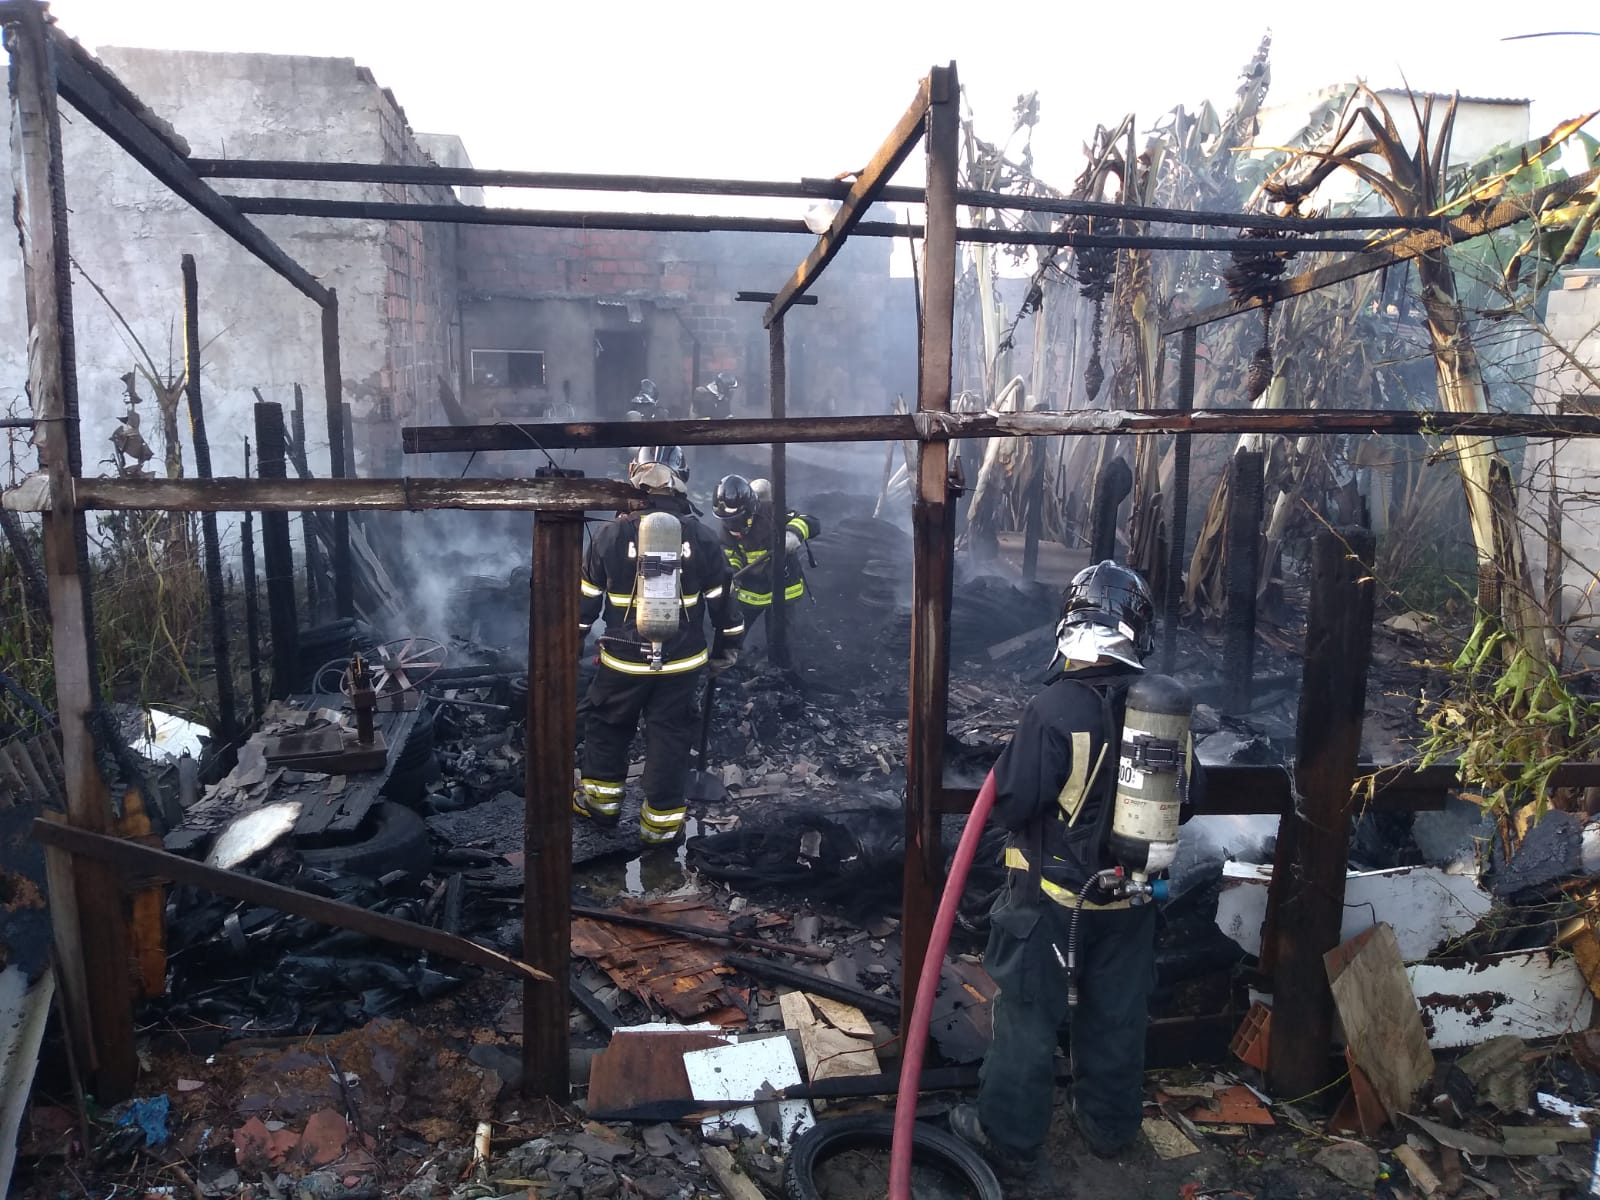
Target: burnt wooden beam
[(1243, 542), (769, 971), (769, 297), (216, 598), (344, 603), (1307, 899), (887, 427), (804, 189), (252, 614), (1177, 510), (279, 495), (777, 558), (1506, 212), (308, 534), (283, 622), (135, 860), (553, 645), (96, 93), (90, 929), (535, 218), (866, 188), (933, 528)]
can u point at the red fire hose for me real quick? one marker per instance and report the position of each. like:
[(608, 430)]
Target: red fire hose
[(916, 1037)]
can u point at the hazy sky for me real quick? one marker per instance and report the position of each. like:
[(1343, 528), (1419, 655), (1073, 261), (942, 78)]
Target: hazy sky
[(805, 89)]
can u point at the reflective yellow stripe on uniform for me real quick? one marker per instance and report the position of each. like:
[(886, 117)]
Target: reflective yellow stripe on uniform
[(1066, 897), (1076, 788), (762, 599), (589, 589), (733, 630), (667, 668)]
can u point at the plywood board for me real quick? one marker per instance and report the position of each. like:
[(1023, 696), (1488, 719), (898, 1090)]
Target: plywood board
[(830, 1052), (1382, 1025), (640, 1075)]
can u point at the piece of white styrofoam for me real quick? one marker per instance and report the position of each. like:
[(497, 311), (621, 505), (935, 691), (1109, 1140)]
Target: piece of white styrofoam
[(1424, 905), (743, 1072), (1532, 994)]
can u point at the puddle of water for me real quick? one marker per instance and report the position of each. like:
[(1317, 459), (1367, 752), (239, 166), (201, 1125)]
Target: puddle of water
[(646, 873)]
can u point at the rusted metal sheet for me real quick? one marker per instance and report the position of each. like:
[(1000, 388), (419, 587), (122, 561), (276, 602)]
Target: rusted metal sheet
[(687, 979), (640, 1075)]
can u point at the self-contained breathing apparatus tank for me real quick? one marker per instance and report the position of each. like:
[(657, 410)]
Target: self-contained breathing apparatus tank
[(657, 591), (1152, 778)]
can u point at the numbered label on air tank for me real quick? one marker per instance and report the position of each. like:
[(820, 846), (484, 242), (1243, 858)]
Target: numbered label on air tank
[(1130, 776)]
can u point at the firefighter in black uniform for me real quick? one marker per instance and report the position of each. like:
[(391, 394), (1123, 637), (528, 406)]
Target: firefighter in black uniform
[(629, 683), (1054, 792), (746, 520)]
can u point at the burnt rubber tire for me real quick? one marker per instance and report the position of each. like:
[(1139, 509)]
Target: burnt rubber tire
[(827, 1138), (392, 838)]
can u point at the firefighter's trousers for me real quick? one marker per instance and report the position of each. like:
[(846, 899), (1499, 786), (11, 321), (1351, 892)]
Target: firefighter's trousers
[(1116, 969), (614, 704)]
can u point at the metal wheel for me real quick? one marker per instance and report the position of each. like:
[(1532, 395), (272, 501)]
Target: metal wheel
[(394, 667)]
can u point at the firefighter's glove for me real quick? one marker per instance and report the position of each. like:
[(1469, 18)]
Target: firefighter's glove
[(792, 541), (724, 661), (1103, 888)]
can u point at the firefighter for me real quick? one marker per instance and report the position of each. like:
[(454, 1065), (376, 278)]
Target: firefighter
[(1054, 793), (637, 678), (746, 518)]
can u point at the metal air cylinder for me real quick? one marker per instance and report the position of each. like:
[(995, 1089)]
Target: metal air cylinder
[(1151, 775)]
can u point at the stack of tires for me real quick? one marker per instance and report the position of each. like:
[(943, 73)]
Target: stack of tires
[(416, 766)]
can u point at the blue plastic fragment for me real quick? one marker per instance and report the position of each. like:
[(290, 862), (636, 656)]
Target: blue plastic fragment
[(150, 1115)]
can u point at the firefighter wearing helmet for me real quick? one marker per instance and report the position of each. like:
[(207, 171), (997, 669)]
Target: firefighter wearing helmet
[(1090, 791), (657, 574), (746, 518)]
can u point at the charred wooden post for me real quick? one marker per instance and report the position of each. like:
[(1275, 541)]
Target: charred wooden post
[(1245, 501), (252, 601), (216, 598), (344, 601), (282, 622), (1110, 490), (1178, 508), (778, 617), (931, 529), (1033, 518), (1307, 897), (553, 644), (92, 945), (308, 532)]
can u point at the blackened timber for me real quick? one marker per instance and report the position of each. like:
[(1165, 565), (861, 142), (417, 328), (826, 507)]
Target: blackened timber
[(768, 298), (216, 598), (537, 218), (91, 934), (282, 621), (553, 645), (700, 933), (1177, 509), (932, 526), (814, 981), (94, 92), (252, 612), (865, 189), (1243, 542), (135, 860), (344, 602), (308, 535), (1506, 212), (1307, 900), (818, 189), (777, 559), (752, 431), (279, 495)]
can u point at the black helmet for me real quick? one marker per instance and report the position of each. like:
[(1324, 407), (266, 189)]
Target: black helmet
[(671, 457), (1113, 596), (647, 388), (735, 499), (725, 382)]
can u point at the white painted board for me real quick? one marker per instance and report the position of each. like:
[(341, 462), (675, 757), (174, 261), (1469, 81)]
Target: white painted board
[(740, 1072), (1424, 905), (1532, 994)]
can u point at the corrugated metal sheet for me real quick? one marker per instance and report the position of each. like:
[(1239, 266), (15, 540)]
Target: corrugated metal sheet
[(24, 1011)]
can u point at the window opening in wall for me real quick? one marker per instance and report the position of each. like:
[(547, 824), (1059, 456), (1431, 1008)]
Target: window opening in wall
[(508, 368)]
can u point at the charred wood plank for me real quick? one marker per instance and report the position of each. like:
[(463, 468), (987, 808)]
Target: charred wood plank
[(1178, 510), (777, 556), (933, 534), (279, 495), (868, 185), (308, 535), (810, 981), (344, 604), (135, 860), (1245, 503), (553, 643), (283, 625), (216, 598), (91, 939), (96, 93), (1314, 837), (752, 431), (698, 933)]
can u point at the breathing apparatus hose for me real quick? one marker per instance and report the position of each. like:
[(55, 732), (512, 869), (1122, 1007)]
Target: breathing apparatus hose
[(916, 1036)]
